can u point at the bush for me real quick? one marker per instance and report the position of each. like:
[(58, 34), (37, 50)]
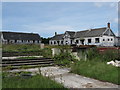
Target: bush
[(64, 58), (46, 52), (108, 55)]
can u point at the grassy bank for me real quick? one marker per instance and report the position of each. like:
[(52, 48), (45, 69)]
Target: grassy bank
[(37, 81), (25, 50), (20, 47), (97, 70)]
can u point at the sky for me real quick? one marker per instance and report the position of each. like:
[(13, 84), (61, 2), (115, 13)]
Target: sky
[(46, 18)]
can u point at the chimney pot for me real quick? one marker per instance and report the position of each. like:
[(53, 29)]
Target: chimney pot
[(108, 25)]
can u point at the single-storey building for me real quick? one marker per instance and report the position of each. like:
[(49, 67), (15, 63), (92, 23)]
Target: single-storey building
[(98, 36), (20, 38)]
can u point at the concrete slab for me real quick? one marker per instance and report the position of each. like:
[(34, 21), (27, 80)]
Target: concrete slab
[(70, 80)]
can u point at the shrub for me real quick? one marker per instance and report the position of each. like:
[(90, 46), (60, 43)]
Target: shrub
[(46, 52), (108, 55), (64, 58)]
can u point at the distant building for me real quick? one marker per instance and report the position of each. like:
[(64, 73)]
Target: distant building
[(98, 36), (20, 38)]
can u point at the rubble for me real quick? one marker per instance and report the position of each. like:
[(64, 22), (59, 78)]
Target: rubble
[(115, 63)]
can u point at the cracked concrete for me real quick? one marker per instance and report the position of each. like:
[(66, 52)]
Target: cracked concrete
[(70, 80)]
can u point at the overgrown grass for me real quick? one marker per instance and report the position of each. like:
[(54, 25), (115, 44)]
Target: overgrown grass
[(58, 46), (97, 69), (20, 47), (96, 66), (26, 50), (36, 81), (108, 55), (64, 58)]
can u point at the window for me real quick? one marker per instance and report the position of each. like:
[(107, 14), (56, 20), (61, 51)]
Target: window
[(111, 39), (76, 41), (61, 42), (15, 41), (38, 41), (89, 40), (58, 42), (33, 41), (54, 42), (103, 39), (108, 39), (97, 40), (71, 41)]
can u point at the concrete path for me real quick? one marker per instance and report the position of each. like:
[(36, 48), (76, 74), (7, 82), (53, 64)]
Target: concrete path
[(70, 80)]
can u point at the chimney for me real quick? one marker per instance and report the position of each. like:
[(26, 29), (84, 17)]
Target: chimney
[(55, 33), (108, 25)]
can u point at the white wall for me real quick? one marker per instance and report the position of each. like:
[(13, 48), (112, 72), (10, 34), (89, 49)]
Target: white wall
[(101, 42)]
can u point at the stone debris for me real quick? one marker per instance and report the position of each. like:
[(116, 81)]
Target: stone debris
[(88, 85), (115, 63)]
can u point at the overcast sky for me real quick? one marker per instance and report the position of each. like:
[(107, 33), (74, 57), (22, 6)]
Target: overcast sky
[(46, 18)]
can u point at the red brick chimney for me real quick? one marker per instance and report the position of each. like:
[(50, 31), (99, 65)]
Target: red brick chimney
[(108, 25)]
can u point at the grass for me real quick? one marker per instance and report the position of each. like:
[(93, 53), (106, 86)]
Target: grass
[(26, 50), (36, 81), (97, 70), (20, 47), (64, 59)]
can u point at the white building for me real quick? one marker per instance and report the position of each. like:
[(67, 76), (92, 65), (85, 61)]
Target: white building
[(98, 36), (19, 38)]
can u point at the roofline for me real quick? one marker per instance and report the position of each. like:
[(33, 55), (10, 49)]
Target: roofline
[(91, 29), (18, 32)]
